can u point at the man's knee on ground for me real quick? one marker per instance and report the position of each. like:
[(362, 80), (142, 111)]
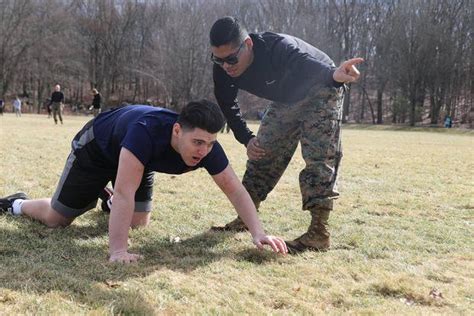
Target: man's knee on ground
[(53, 219), (140, 219), (139, 225), (57, 224)]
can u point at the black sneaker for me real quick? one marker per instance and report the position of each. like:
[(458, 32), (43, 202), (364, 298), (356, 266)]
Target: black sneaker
[(7, 202), (106, 196)]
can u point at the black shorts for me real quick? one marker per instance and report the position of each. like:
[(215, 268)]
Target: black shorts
[(86, 173)]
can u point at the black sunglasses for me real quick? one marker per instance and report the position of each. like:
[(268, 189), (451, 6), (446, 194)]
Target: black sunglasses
[(232, 59)]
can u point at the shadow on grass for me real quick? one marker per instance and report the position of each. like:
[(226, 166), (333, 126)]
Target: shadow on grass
[(256, 256), (73, 261)]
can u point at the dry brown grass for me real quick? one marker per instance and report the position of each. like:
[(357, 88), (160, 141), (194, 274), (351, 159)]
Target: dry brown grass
[(402, 235)]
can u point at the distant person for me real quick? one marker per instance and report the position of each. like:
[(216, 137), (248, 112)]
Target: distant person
[(57, 103), (17, 106), (2, 106), (96, 103), (126, 146), (307, 91), (448, 122)]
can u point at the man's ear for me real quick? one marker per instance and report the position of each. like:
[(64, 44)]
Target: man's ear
[(176, 129), (248, 41)]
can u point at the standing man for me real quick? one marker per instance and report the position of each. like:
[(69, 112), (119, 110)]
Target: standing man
[(307, 93), (96, 102), (57, 101), (17, 106), (126, 146)]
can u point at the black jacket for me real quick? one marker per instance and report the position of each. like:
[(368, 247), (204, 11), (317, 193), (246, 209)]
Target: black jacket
[(283, 70), (96, 101), (57, 96)]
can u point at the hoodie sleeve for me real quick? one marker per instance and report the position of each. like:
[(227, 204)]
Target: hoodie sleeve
[(226, 96)]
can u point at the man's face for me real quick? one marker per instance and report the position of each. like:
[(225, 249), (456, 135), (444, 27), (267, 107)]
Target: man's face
[(226, 55), (57, 87), (193, 145)]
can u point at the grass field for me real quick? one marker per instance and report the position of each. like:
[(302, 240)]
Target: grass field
[(402, 235)]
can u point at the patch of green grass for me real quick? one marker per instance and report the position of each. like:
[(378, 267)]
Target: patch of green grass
[(401, 235)]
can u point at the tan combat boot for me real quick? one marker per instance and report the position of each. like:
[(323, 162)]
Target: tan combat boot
[(317, 236), (237, 225)]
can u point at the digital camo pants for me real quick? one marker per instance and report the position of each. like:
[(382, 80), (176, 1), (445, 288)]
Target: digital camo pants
[(315, 122)]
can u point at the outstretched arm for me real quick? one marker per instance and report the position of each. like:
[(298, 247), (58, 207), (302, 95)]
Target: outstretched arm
[(129, 175), (240, 199)]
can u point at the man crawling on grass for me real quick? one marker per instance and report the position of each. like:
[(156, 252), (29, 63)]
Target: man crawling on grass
[(126, 146)]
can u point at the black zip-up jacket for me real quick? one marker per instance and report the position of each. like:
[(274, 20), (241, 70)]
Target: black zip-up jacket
[(57, 96), (96, 101), (283, 70)]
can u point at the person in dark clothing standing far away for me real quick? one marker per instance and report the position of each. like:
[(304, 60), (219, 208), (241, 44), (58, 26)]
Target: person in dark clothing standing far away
[(126, 146), (448, 121), (57, 101), (307, 93), (96, 103)]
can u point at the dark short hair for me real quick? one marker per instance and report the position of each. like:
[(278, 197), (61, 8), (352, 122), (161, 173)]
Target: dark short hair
[(202, 114), (227, 30)]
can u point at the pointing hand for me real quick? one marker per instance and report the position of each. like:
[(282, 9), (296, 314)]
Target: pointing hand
[(347, 72)]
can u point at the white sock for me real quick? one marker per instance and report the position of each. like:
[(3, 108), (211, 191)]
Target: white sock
[(17, 207)]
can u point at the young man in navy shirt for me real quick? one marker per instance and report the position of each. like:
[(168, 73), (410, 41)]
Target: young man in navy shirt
[(127, 146)]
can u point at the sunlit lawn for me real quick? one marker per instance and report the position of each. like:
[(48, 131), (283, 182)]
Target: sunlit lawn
[(402, 235)]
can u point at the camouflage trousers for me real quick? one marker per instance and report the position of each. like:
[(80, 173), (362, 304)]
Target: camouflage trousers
[(315, 122)]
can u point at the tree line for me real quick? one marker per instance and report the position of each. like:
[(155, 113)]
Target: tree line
[(419, 53)]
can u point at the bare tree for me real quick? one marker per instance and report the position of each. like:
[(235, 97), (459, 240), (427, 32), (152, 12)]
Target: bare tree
[(15, 38), (419, 54)]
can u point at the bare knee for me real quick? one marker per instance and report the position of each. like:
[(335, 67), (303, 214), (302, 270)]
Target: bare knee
[(53, 219), (140, 219), (57, 224), (139, 225)]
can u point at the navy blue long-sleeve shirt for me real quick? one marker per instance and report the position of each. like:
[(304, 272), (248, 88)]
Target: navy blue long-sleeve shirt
[(284, 69)]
